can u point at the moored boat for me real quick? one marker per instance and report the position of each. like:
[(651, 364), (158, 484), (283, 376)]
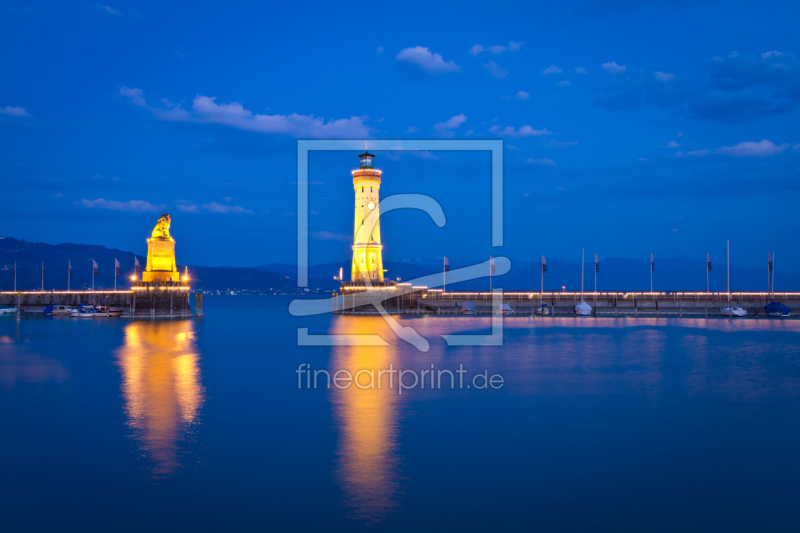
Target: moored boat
[(776, 309), (56, 310)]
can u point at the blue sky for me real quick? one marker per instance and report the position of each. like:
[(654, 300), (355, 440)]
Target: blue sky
[(630, 126)]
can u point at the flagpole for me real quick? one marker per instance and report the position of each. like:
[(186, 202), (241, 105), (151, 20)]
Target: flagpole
[(115, 274), (444, 274), (15, 276), (651, 273), (707, 285), (42, 276), (92, 275), (490, 273), (69, 274), (728, 261)]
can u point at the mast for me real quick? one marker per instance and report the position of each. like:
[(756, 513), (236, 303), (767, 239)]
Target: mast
[(582, 259), (772, 289), (728, 261)]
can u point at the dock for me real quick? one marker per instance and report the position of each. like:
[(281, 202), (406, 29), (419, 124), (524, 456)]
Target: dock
[(420, 300), (164, 300)]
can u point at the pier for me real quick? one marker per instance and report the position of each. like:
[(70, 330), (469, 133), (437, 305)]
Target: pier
[(165, 300), (420, 300)]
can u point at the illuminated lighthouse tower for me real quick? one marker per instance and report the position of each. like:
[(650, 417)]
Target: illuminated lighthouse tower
[(367, 260)]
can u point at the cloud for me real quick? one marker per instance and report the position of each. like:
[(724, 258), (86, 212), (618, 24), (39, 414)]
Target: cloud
[(379, 50), (552, 69), (431, 63), (546, 162), (107, 9), (581, 70), (773, 53), (451, 123), (214, 207), (753, 149), (613, 68), (738, 88), (673, 144), (137, 206), (763, 148), (522, 95), (558, 144), (412, 129), (496, 70), (524, 131), (205, 110), (564, 83), (14, 111), (495, 49), (187, 206), (664, 76), (330, 236)]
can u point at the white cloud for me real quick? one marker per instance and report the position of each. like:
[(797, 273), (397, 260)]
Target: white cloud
[(187, 206), (664, 76), (613, 68), (412, 129), (753, 149), (522, 95), (565, 83), (673, 144), (214, 207), (763, 148), (205, 110), (496, 70), (581, 70), (379, 50), (547, 162), (772, 53), (138, 206), (14, 111), (428, 61), (524, 131), (451, 123), (330, 236), (558, 144), (107, 9), (552, 69), (477, 49), (495, 49)]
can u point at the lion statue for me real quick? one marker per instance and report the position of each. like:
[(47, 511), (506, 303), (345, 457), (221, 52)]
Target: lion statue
[(161, 231)]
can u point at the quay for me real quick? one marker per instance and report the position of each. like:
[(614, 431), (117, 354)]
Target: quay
[(170, 300), (405, 299)]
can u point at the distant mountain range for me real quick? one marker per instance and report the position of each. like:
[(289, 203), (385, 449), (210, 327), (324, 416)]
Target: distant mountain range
[(616, 274)]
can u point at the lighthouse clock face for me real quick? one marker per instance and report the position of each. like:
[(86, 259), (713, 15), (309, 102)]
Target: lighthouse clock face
[(371, 206)]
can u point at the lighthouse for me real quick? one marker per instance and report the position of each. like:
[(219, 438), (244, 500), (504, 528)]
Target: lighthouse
[(367, 259)]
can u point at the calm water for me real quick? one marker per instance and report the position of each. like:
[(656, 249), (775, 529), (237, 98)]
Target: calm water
[(198, 425)]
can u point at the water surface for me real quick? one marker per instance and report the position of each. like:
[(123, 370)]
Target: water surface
[(602, 424)]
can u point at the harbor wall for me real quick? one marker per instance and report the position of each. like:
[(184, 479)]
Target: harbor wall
[(148, 304), (701, 304)]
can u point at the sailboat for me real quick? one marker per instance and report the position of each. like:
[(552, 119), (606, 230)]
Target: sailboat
[(583, 309), (731, 310), (775, 308)]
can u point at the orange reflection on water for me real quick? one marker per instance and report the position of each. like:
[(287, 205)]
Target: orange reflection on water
[(368, 422), (161, 386)]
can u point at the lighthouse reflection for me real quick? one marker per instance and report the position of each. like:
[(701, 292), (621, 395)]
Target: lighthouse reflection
[(368, 424), (161, 387)]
